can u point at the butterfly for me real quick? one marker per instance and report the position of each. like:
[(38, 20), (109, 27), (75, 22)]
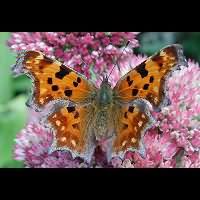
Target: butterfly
[(80, 114)]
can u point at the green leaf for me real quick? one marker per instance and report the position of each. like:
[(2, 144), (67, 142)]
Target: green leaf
[(6, 59), (12, 119), (22, 85), (151, 42), (108, 33), (196, 118)]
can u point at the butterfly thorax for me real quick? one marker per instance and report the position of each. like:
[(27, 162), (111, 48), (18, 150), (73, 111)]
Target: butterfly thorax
[(104, 96)]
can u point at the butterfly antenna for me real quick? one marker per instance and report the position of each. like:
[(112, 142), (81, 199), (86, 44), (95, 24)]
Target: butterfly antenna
[(88, 65), (84, 62), (100, 78), (116, 63)]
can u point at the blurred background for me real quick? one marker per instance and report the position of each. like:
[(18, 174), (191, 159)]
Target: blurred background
[(14, 91)]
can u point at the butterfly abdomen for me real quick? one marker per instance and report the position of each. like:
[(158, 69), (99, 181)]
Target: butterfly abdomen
[(102, 124)]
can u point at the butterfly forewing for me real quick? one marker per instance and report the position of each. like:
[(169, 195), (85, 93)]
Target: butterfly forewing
[(52, 80), (147, 80)]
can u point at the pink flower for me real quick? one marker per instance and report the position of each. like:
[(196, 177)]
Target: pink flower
[(191, 161), (97, 49)]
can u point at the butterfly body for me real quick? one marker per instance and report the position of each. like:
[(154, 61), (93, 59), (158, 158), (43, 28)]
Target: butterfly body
[(80, 114), (102, 111)]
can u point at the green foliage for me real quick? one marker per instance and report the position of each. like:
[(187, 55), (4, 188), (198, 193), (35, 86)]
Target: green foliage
[(153, 41), (12, 118), (12, 108), (191, 41), (5, 79)]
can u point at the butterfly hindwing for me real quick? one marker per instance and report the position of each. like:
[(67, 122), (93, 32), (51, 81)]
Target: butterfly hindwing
[(52, 80), (71, 129), (148, 79), (131, 122)]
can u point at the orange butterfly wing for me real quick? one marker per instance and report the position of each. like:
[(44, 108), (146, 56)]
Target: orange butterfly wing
[(52, 80), (132, 120), (144, 83), (54, 83), (71, 130), (147, 80)]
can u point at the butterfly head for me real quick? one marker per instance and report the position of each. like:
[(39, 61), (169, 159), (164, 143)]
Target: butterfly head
[(105, 81)]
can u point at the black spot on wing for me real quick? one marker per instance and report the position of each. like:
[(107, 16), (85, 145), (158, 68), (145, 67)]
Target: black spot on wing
[(126, 115), (71, 109), (55, 88), (130, 82), (63, 72), (128, 78), (76, 115), (79, 80), (141, 70), (49, 81), (146, 86), (134, 92), (131, 109), (48, 60), (75, 84), (76, 126), (68, 93), (151, 79)]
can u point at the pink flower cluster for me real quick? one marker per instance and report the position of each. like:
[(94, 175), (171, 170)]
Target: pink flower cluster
[(99, 50)]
